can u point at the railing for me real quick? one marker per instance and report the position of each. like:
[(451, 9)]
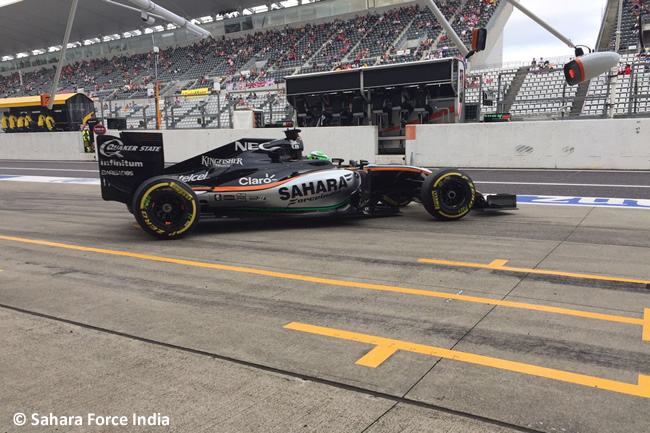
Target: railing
[(633, 98), (179, 112)]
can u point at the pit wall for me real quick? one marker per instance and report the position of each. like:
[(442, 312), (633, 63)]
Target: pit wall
[(621, 144), (54, 146), (587, 144), (357, 142)]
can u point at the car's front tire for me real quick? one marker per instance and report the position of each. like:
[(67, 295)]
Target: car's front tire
[(448, 194), (165, 208), (395, 200)]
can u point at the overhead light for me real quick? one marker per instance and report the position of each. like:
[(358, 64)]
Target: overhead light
[(586, 67)]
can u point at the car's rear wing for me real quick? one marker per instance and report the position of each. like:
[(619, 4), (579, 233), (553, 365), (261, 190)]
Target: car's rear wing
[(127, 161), (133, 157)]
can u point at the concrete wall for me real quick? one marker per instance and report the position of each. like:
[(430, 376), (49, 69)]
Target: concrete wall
[(586, 144), (54, 146), (359, 142), (578, 144)]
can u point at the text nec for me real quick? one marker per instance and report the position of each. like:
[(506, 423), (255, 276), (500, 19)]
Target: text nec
[(239, 146)]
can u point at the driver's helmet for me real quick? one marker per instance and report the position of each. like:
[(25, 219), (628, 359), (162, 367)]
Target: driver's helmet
[(318, 155)]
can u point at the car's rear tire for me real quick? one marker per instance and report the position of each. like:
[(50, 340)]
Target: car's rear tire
[(165, 208), (448, 194)]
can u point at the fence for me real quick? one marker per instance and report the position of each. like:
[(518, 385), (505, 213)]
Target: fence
[(198, 111), (540, 93), (526, 94)]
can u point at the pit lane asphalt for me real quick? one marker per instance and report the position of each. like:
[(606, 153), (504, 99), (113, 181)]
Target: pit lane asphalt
[(110, 332), (578, 183)]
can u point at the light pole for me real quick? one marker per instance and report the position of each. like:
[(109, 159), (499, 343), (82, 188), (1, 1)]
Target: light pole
[(64, 47)]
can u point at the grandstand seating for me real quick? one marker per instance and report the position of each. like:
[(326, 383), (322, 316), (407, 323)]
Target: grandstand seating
[(544, 93), (490, 79), (629, 26), (630, 89), (308, 48), (398, 35)]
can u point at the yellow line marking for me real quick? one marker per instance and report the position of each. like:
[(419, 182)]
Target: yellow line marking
[(640, 390), (500, 265), (377, 356), (646, 325), (328, 281)]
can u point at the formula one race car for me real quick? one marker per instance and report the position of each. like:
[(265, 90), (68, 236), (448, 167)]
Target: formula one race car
[(270, 177)]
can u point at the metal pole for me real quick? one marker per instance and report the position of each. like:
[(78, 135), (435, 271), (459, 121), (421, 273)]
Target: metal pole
[(607, 107), (480, 98), (271, 109), (447, 27), (157, 100), (219, 110), (155, 53), (166, 116), (64, 48), (633, 92), (614, 71), (150, 7), (542, 23), (618, 29), (498, 101)]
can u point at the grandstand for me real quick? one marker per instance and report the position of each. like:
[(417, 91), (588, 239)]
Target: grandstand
[(338, 35)]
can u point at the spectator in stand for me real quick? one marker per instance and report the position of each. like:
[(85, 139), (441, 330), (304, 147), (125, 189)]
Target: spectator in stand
[(533, 65)]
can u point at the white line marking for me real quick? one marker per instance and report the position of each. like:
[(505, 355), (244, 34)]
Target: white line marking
[(584, 201), (47, 169), (562, 184), (47, 179), (555, 170), (46, 161), (580, 205)]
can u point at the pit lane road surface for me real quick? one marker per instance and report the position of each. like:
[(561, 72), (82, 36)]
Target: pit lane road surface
[(535, 320)]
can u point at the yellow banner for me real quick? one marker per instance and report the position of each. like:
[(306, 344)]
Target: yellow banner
[(195, 92)]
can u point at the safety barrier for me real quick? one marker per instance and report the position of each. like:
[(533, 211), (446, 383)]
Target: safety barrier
[(620, 144), (589, 144), (45, 146)]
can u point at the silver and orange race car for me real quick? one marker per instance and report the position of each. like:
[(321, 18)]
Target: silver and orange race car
[(270, 177)]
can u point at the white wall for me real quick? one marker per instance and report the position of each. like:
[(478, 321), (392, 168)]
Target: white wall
[(358, 142), (55, 146), (585, 144), (579, 144)]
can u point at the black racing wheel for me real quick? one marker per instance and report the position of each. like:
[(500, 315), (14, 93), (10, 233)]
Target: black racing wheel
[(448, 194), (165, 207)]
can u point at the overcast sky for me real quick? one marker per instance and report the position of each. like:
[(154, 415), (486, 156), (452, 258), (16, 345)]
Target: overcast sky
[(578, 20)]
